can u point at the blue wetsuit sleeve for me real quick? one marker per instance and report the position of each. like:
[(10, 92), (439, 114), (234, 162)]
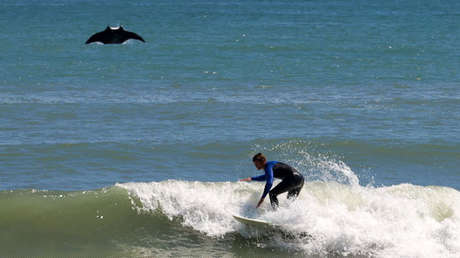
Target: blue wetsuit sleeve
[(258, 178), (269, 178)]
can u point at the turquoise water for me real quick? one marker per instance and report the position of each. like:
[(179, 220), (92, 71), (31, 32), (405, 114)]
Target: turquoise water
[(360, 96)]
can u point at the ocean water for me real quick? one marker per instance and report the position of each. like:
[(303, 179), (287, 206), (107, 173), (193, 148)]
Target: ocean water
[(136, 149)]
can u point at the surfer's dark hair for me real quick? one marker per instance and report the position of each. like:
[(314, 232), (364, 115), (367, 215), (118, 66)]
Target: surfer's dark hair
[(259, 157)]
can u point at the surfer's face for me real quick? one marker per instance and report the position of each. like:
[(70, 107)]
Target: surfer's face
[(259, 164)]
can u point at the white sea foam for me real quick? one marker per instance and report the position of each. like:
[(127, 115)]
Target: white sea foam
[(396, 221)]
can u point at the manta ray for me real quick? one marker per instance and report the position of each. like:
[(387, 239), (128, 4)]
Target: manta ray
[(113, 35)]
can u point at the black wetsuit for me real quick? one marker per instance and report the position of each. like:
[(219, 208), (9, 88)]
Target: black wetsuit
[(292, 181)]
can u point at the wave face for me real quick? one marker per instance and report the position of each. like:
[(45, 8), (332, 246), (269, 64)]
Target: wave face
[(188, 217)]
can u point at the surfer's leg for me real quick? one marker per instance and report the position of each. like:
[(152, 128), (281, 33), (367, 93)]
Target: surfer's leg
[(295, 192), (292, 185), (282, 187), (273, 201)]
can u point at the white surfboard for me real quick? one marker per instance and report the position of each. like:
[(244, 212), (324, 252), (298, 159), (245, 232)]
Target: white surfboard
[(255, 222), (265, 225)]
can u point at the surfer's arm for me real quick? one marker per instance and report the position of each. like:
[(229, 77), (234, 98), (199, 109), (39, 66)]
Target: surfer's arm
[(268, 185), (269, 177), (258, 178), (255, 178)]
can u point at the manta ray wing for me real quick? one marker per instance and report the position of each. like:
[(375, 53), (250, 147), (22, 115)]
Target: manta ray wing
[(98, 37), (131, 35)]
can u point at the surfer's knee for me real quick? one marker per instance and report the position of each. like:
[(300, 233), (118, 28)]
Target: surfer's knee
[(293, 194)]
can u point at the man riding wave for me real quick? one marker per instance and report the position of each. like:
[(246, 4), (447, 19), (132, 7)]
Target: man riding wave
[(292, 180)]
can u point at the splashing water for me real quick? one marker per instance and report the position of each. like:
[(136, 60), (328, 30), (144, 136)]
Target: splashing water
[(341, 219)]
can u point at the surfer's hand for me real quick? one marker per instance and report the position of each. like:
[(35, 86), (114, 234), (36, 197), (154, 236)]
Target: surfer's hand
[(245, 179), (260, 202)]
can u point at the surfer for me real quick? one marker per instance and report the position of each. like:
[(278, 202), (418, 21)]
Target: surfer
[(292, 180)]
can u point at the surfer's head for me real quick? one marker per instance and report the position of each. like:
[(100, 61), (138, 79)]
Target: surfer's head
[(259, 160)]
